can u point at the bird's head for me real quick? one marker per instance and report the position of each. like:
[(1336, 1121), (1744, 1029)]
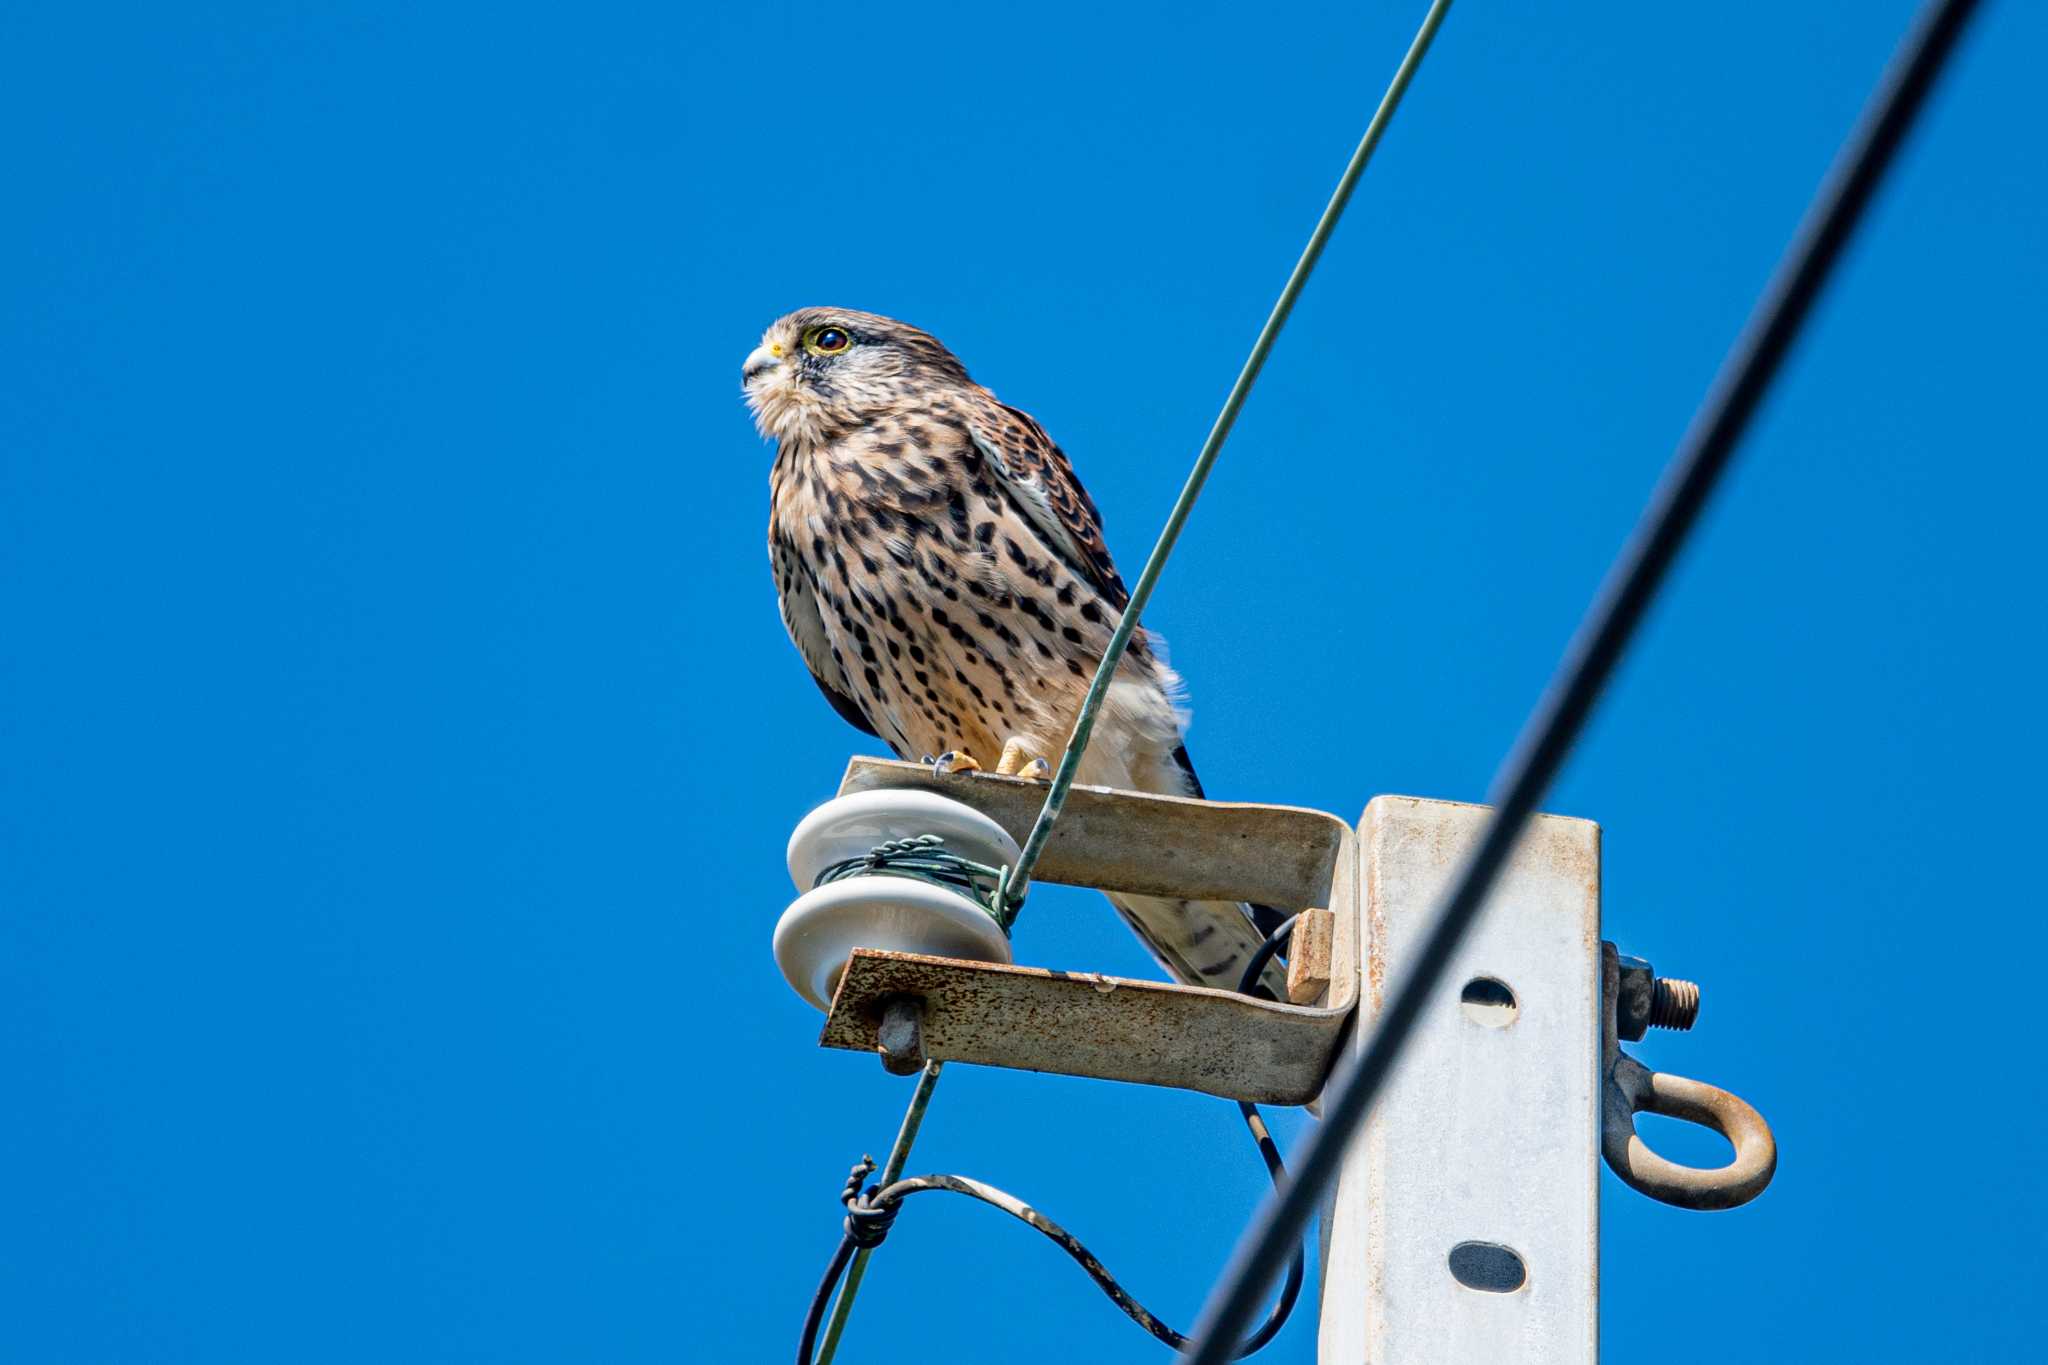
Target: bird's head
[(819, 372)]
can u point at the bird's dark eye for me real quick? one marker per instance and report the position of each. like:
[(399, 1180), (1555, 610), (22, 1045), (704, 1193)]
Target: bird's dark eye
[(826, 340)]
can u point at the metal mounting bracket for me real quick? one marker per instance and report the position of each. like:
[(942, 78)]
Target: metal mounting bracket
[(1118, 1028)]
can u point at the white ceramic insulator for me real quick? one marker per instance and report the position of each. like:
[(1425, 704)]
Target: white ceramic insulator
[(849, 826), (817, 934)]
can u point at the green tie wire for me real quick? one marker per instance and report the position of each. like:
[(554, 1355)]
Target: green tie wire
[(1127, 626), (925, 858)]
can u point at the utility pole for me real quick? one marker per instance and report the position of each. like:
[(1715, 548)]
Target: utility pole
[(1465, 1224)]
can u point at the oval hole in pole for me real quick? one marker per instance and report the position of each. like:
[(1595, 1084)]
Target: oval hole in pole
[(1488, 1001), (1488, 1267)]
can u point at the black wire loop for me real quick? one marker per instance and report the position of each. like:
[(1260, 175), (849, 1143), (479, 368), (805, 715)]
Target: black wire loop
[(870, 1213), (868, 1219)]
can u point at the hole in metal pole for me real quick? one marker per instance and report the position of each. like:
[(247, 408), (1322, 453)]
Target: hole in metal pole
[(1488, 1267), (1488, 1002)]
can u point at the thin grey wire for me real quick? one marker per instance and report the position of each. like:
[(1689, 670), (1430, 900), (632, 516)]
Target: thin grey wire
[(1155, 563)]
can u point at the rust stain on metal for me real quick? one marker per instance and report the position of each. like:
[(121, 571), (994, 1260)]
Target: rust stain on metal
[(1374, 914), (1082, 1023)]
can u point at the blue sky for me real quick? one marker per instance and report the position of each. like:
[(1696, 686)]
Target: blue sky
[(400, 740)]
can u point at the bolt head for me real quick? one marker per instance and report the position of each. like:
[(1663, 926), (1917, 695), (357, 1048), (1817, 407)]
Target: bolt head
[(1636, 996)]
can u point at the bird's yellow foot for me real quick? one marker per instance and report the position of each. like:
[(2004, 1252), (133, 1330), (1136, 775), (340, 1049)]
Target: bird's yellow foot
[(1018, 762), (955, 761)]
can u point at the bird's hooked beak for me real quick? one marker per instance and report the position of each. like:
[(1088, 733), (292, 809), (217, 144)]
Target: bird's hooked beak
[(763, 359), (785, 408)]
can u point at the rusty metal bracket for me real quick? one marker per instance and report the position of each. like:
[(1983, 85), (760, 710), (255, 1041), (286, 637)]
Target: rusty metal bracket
[(1631, 1088), (1115, 1028)]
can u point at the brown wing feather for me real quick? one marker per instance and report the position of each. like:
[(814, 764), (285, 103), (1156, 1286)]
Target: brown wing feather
[(1039, 479), (797, 596)]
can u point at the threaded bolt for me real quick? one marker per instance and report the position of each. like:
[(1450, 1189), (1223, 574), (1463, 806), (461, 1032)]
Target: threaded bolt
[(1674, 1003)]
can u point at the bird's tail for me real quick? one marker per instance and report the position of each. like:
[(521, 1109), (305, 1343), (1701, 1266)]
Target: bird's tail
[(1138, 747), (1202, 943)]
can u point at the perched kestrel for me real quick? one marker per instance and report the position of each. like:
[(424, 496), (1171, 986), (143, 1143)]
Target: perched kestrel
[(943, 574)]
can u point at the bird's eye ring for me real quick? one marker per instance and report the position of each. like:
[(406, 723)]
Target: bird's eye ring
[(826, 340)]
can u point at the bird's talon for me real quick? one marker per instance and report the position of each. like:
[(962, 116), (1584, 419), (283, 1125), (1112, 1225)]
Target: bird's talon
[(1015, 759), (955, 761), (1037, 770)]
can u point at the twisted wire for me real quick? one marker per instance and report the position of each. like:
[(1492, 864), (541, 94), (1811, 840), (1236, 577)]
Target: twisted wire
[(925, 858)]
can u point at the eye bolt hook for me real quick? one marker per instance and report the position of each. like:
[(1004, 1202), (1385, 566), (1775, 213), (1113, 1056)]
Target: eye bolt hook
[(1634, 999)]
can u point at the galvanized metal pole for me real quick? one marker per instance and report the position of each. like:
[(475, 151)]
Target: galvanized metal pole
[(1465, 1225)]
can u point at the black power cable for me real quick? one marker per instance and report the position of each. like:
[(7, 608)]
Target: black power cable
[(869, 1214), (1624, 598)]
